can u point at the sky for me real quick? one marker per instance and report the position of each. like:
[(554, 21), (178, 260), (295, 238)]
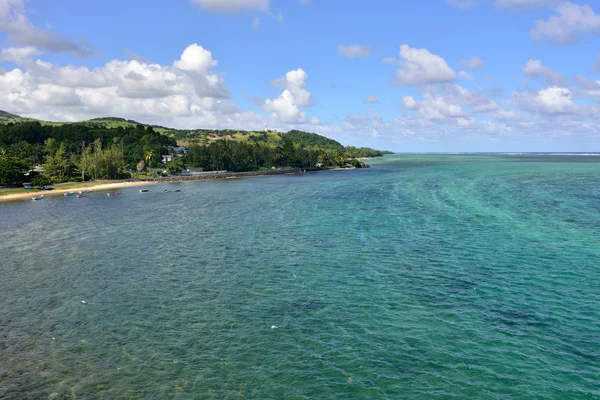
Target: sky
[(406, 76)]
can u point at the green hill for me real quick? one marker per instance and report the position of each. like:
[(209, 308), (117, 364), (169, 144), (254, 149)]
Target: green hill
[(4, 114), (115, 148), (312, 140), (187, 137)]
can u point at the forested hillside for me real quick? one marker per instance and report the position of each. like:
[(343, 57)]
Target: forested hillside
[(113, 148)]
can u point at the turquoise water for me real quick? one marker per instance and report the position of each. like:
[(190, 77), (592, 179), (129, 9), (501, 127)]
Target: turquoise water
[(423, 277)]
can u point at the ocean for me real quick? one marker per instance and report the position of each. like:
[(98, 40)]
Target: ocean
[(423, 277)]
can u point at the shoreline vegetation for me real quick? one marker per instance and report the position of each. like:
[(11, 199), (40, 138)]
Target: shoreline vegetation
[(100, 186), (39, 153)]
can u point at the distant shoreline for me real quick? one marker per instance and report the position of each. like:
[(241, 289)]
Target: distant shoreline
[(115, 185)]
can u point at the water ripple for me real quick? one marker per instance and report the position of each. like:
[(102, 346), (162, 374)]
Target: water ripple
[(423, 277)]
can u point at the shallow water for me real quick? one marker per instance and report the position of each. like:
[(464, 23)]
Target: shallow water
[(426, 276)]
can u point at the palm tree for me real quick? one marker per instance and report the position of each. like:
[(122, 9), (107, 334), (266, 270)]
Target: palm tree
[(148, 156)]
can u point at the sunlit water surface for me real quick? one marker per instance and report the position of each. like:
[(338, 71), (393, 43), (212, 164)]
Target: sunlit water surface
[(424, 277)]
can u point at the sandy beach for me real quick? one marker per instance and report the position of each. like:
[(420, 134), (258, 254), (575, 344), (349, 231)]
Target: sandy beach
[(131, 183), (57, 191)]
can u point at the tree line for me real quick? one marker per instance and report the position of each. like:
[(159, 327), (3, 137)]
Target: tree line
[(74, 152)]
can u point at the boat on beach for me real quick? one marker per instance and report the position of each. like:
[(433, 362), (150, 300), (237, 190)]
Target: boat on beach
[(69, 194), (38, 197), (85, 191), (172, 190), (144, 190), (81, 195), (113, 193)]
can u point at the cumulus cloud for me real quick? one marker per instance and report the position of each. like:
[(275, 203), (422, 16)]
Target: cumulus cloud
[(186, 93), (287, 107), (448, 101), (454, 107), (354, 51), (409, 102), (477, 101), (572, 21), (420, 67), (509, 115), (436, 107), (232, 6), (19, 55), (473, 63), (371, 100), (196, 59), (535, 69), (553, 100), (20, 31)]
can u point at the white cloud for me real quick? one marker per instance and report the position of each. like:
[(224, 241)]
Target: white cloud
[(586, 83), (509, 115), (196, 59), (465, 122), (409, 102), (450, 103), (465, 75), (478, 102), (286, 108), (19, 55), (588, 88), (371, 100), (232, 6), (553, 100), (473, 63), (535, 69), (354, 51), (572, 21), (20, 31), (256, 22), (185, 94), (420, 67), (437, 108)]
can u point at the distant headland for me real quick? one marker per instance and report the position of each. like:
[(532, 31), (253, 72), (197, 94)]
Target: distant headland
[(40, 153)]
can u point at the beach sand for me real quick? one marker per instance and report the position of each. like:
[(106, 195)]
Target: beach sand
[(56, 192)]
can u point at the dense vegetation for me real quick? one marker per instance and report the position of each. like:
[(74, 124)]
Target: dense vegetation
[(4, 114), (113, 148), (78, 151)]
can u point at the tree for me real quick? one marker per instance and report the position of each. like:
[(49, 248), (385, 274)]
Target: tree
[(58, 165), (175, 166), (86, 163), (148, 155), (339, 158), (11, 171)]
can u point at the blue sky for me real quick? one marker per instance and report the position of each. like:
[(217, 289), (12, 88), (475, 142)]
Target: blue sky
[(434, 75)]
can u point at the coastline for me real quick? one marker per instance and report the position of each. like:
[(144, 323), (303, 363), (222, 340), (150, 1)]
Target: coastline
[(56, 192), (114, 185)]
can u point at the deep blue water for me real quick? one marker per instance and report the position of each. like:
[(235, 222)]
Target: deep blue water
[(423, 277)]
